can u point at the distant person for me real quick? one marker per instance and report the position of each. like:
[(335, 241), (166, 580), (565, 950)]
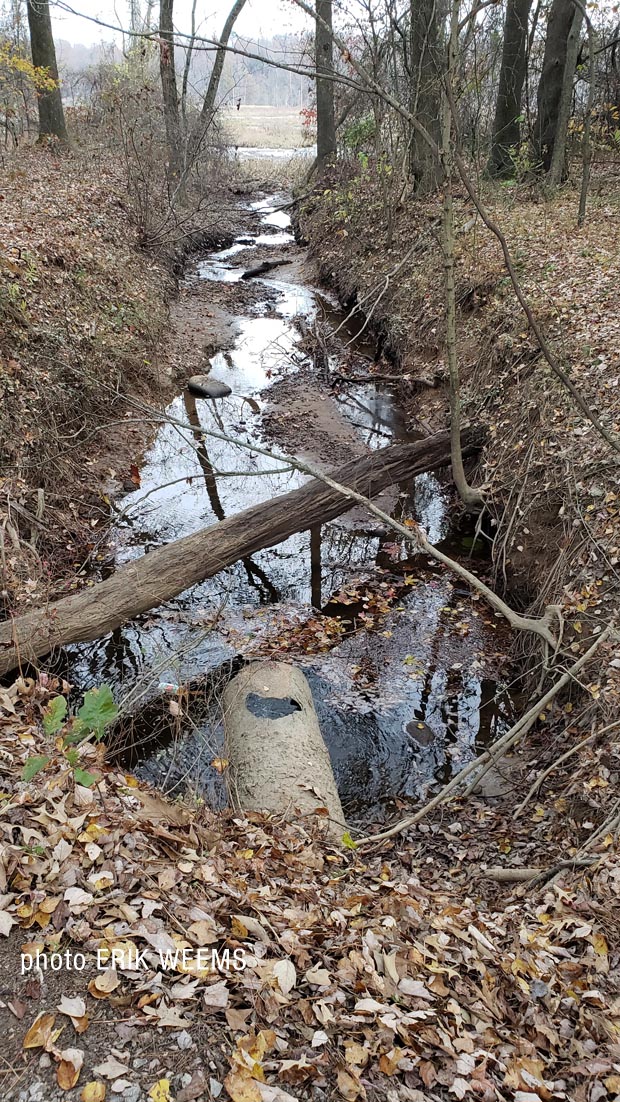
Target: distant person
[(238, 105)]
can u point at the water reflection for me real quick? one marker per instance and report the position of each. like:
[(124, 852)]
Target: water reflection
[(399, 705)]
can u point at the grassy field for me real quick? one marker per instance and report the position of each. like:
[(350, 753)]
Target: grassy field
[(264, 127)]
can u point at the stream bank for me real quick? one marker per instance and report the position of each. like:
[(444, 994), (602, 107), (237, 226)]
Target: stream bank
[(407, 668)]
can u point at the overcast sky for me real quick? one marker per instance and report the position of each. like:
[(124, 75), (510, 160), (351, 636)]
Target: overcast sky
[(259, 18)]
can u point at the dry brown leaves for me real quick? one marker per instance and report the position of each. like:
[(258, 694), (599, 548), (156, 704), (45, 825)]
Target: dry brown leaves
[(355, 973)]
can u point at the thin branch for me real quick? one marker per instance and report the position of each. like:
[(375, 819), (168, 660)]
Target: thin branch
[(505, 743)]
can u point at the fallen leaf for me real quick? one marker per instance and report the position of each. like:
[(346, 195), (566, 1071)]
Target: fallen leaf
[(69, 1068), (111, 1068), (241, 1087), (349, 1085), (286, 975), (103, 984), (217, 995), (40, 1033), (250, 926), (93, 1092)]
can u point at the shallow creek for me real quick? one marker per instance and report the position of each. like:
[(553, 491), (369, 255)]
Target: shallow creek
[(404, 664)]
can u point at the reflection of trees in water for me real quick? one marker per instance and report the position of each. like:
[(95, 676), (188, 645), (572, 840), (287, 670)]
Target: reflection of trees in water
[(256, 576)]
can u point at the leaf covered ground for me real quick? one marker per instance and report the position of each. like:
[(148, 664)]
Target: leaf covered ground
[(398, 972), (551, 480), (83, 312)]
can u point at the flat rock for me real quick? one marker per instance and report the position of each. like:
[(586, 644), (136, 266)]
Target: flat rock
[(205, 386)]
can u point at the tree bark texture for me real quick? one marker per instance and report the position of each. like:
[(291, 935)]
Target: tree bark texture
[(167, 70), (51, 114), (173, 568), (506, 124), (551, 81), (425, 76), (324, 61), (208, 105)]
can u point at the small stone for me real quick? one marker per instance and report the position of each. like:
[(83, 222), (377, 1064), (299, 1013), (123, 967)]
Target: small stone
[(133, 1093), (186, 1079), (204, 386), (184, 1041), (45, 1061), (119, 1086), (215, 1088)]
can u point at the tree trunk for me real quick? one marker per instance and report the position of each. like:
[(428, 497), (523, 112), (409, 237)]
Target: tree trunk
[(173, 568), (51, 114), (324, 61), (506, 125), (558, 168), (552, 80), (168, 74), (208, 104), (425, 73), (470, 497)]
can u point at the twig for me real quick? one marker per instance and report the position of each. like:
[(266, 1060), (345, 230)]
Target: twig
[(501, 746), (559, 761), (503, 875)]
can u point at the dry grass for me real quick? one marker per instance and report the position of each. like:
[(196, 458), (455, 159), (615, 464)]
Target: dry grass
[(263, 127)]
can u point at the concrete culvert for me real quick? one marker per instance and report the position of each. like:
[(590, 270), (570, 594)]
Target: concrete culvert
[(278, 759)]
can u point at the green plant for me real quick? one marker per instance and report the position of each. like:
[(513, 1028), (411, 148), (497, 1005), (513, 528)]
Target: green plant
[(360, 133), (97, 712)]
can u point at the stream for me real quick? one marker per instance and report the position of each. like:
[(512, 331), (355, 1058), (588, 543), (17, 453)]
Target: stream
[(404, 663)]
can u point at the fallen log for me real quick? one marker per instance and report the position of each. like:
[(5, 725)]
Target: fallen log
[(169, 570), (278, 761), (266, 266)]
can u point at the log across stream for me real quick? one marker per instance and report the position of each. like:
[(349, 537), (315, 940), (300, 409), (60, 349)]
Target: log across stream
[(404, 664)]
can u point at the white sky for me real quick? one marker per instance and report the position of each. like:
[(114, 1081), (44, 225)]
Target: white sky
[(259, 18)]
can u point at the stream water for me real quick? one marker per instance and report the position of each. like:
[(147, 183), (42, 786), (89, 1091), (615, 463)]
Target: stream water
[(404, 664)]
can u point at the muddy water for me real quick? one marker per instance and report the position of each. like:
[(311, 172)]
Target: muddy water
[(404, 665)]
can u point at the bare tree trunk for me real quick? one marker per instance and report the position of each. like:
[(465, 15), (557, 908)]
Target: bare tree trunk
[(425, 68), (557, 171), (506, 124), (168, 74), (586, 144), (469, 496), (551, 81), (208, 104), (324, 60), (187, 67), (51, 114)]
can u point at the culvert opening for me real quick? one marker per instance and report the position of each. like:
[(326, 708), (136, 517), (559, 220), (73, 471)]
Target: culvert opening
[(271, 707)]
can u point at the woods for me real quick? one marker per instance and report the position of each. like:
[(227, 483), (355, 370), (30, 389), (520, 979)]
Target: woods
[(309, 545)]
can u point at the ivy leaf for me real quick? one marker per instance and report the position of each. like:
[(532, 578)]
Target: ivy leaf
[(98, 710), (34, 765), (83, 777), (54, 715)]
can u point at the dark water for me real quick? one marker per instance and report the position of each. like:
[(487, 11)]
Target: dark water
[(400, 705)]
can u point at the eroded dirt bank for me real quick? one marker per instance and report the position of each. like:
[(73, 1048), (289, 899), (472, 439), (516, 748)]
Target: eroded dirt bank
[(83, 312)]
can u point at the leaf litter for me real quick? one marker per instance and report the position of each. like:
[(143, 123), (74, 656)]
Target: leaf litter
[(364, 977)]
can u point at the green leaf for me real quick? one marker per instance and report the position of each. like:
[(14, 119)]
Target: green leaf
[(72, 757), (83, 777), (54, 715), (98, 710), (348, 841), (34, 765)]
